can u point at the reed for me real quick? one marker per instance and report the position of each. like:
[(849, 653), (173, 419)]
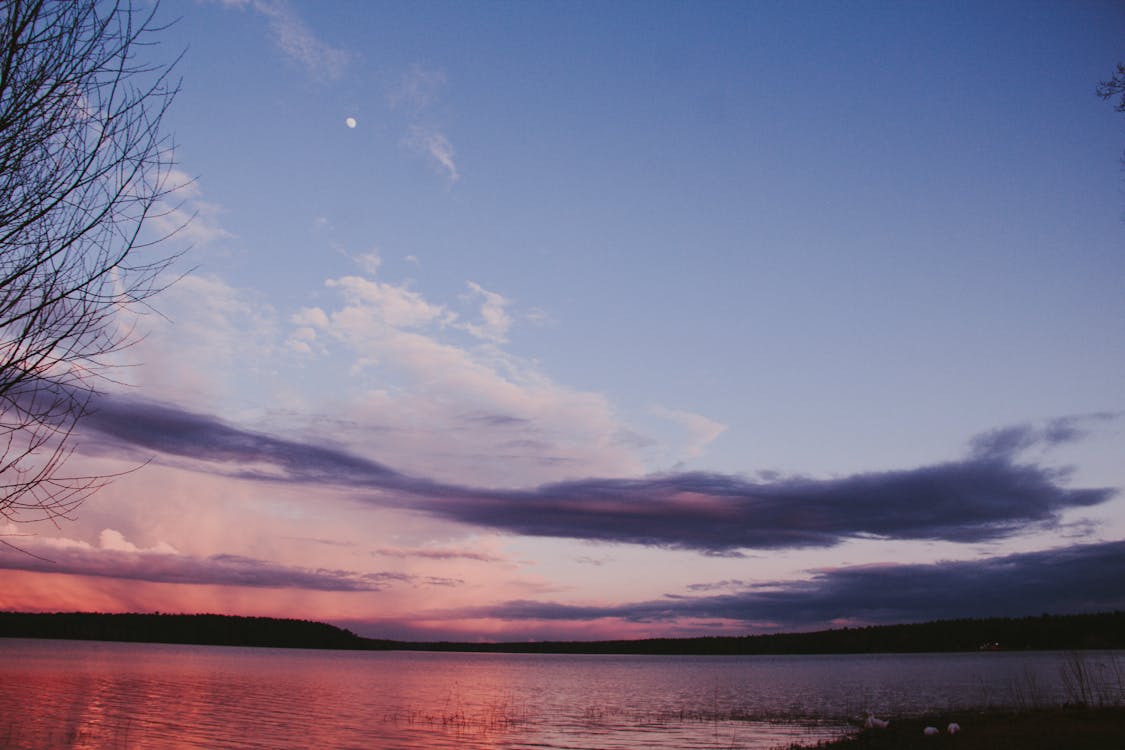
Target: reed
[(1091, 716), (1093, 680), (491, 717), (1073, 728)]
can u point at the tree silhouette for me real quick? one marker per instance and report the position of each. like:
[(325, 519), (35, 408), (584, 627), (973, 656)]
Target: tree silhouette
[(1114, 87), (84, 165)]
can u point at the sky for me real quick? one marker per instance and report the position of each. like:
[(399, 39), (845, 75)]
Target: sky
[(555, 320)]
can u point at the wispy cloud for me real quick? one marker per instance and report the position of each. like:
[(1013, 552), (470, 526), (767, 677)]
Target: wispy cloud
[(972, 500), (296, 40), (495, 318), (436, 147), (426, 377), (185, 215), (1084, 578), (389, 361), (207, 329), (415, 93), (118, 558), (1007, 441), (416, 89), (702, 431), (429, 553)]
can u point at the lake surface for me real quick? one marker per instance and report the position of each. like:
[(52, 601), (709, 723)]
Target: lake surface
[(85, 694)]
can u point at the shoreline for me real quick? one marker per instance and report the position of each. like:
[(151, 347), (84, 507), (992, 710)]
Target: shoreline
[(1074, 727), (1075, 632)]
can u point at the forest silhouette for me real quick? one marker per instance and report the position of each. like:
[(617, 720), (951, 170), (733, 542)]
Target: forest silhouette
[(1046, 632)]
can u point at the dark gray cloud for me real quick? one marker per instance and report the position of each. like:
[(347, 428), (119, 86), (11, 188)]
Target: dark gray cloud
[(1006, 442), (965, 501), (176, 432), (497, 420), (159, 567), (216, 570), (719, 585), (988, 495), (1084, 578)]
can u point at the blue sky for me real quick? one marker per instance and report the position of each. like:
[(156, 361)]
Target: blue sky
[(787, 259), (730, 206)]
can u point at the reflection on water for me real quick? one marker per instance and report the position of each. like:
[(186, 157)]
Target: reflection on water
[(78, 694)]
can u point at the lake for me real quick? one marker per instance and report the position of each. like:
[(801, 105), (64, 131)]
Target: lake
[(85, 694)]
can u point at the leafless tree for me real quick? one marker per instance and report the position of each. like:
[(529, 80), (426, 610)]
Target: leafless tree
[(1114, 87), (84, 165)]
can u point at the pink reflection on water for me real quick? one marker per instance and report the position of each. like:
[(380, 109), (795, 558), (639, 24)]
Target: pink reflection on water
[(73, 694)]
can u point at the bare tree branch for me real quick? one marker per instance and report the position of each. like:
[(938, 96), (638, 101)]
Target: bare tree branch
[(83, 164), (1114, 87)]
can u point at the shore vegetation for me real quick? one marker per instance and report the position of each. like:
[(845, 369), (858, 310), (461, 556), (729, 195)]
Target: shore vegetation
[(1044, 633), (1070, 727)]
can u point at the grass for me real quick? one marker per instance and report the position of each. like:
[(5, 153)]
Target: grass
[(493, 717), (1093, 718), (1070, 727)]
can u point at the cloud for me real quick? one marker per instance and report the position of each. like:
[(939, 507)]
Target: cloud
[(416, 89), (426, 553), (114, 540), (296, 40), (719, 585), (1009, 441), (118, 558), (701, 430), (372, 310), (1083, 578), (185, 215), (372, 303), (210, 340), (230, 451), (437, 147), (972, 500), (496, 319), (413, 370), (965, 501)]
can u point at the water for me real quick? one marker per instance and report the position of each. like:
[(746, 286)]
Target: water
[(82, 694)]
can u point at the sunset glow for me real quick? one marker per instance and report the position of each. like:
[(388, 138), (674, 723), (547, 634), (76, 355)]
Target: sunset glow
[(618, 321)]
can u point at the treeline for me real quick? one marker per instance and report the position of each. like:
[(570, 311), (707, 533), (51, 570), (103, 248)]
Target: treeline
[(1046, 632), (215, 630), (1043, 633)]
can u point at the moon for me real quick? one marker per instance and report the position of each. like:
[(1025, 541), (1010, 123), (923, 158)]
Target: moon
[(350, 122)]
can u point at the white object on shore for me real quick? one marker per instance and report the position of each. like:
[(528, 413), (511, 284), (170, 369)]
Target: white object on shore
[(873, 723), (930, 731), (953, 728)]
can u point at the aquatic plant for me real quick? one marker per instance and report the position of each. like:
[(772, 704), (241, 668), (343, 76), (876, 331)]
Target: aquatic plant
[(1093, 680)]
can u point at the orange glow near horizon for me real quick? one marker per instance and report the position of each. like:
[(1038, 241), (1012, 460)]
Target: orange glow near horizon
[(43, 592)]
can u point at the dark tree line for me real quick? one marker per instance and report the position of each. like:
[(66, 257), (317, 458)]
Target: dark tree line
[(1047, 632), (216, 630)]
